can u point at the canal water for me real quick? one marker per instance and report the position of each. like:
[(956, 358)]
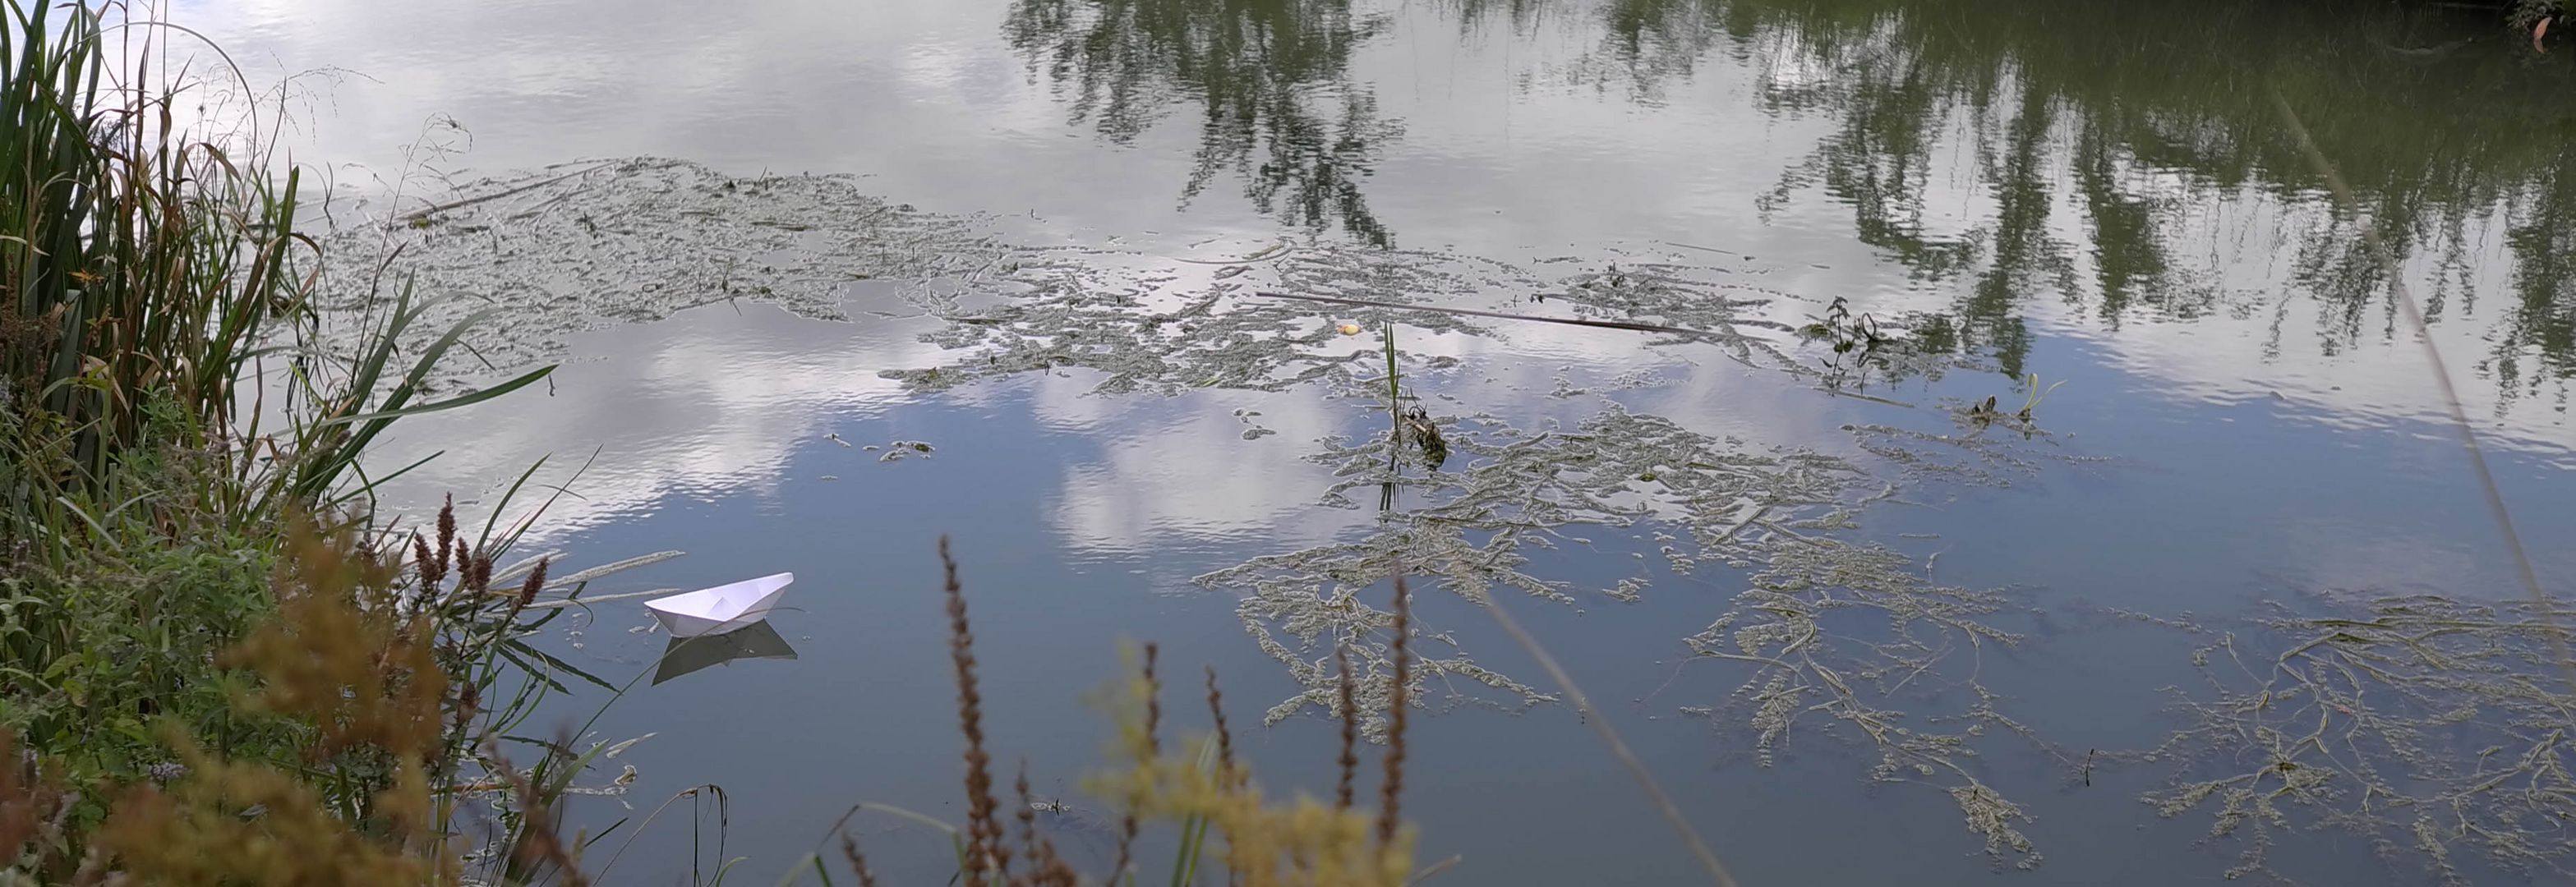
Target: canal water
[(2035, 469)]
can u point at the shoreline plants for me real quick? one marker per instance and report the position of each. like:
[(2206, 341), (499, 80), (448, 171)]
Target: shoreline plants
[(207, 655), (166, 394)]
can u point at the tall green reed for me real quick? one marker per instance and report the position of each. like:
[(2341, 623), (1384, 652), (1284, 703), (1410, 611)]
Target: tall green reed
[(135, 257), (1395, 427), (170, 396), (151, 271)]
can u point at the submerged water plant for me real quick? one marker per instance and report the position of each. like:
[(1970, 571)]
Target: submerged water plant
[(629, 240), (1792, 635), (2433, 729)]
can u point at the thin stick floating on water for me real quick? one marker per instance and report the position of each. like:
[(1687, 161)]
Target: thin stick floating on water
[(1872, 398), (1569, 321), (1269, 253), (1705, 249), (417, 215)]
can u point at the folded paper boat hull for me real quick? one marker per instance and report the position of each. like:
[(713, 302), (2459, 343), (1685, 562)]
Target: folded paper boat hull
[(719, 609)]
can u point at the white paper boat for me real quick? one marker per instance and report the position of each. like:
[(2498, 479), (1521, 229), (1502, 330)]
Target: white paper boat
[(719, 609)]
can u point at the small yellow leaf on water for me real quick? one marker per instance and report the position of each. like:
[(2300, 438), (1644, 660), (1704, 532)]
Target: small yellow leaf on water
[(1350, 329)]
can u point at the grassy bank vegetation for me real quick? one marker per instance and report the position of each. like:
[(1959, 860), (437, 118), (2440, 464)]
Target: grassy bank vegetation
[(192, 689), (167, 398)]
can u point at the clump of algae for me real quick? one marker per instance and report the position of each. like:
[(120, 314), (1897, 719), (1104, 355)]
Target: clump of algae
[(1713, 502), (1154, 324), (591, 244), (1972, 456), (1473, 527), (2437, 730), (1163, 331), (1803, 670)]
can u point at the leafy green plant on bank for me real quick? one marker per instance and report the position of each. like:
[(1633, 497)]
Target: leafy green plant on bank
[(370, 719), (337, 668)]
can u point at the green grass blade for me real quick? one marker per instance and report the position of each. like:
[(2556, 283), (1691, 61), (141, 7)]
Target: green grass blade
[(566, 667), (1185, 863), (796, 873), (462, 400), (366, 487), (534, 673)]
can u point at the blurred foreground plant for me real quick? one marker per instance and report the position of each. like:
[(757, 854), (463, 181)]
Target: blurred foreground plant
[(1200, 787)]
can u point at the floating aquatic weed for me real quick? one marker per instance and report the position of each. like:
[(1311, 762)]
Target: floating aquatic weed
[(1161, 329), (1730, 504), (1989, 413), (2436, 730), (1294, 596), (1697, 297), (1519, 491), (1713, 499), (638, 239), (896, 451), (1794, 630), (1968, 457), (1709, 298), (1636, 379), (1425, 435), (1162, 332), (577, 247)]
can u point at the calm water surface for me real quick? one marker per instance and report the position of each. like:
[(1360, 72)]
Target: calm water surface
[(2056, 626)]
